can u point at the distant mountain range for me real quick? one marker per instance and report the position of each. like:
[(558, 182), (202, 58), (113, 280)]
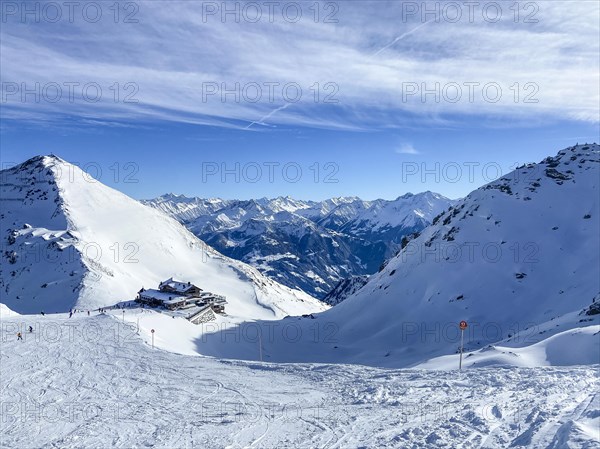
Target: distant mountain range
[(307, 245)]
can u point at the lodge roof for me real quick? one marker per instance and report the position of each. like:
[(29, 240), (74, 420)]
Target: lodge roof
[(161, 296), (178, 286)]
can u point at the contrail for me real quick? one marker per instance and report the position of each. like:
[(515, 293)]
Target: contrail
[(399, 38), (260, 121), (281, 108)]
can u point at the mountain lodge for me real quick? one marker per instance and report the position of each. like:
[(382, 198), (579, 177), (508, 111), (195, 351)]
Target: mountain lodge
[(184, 296)]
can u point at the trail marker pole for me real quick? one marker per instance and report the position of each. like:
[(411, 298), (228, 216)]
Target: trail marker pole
[(152, 331), (462, 325), (260, 345), (123, 315)]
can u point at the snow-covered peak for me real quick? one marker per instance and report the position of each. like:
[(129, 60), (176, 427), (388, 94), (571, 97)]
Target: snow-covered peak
[(174, 197), (47, 160), (73, 242), (519, 251), (517, 259), (407, 211), (310, 245)]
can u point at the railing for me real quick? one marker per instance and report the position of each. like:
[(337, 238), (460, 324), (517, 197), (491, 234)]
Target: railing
[(191, 316)]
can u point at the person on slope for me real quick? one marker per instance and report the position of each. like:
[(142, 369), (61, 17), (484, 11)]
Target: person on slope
[(70, 314), (43, 314), (19, 336), (30, 329)]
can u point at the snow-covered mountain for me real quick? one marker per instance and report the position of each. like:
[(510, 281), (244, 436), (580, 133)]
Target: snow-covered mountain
[(70, 241), (518, 259), (308, 245)]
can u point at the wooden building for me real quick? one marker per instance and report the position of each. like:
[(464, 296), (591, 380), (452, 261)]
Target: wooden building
[(176, 295)]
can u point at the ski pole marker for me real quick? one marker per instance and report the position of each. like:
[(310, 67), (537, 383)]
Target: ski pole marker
[(462, 325)]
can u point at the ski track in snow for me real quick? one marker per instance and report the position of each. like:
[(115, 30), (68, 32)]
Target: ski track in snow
[(93, 382)]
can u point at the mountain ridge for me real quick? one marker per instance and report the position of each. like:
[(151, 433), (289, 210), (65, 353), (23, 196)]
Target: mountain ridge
[(517, 259), (309, 245), (71, 242)]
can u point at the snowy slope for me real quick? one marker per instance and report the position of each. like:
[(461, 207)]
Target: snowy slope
[(185, 209), (307, 245), (69, 241), (93, 382), (6, 312), (518, 256), (516, 253), (577, 346), (572, 339)]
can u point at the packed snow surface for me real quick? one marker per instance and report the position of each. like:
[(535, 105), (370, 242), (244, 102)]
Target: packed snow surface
[(94, 382)]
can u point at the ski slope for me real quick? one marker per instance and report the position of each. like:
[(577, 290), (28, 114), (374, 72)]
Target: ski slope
[(526, 300), (94, 382), (577, 346), (71, 242), (515, 255)]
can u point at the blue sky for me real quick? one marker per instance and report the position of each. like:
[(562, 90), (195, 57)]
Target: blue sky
[(501, 91)]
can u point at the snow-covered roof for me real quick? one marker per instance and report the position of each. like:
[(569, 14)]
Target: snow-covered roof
[(176, 285), (207, 296), (176, 300), (168, 298), (161, 296)]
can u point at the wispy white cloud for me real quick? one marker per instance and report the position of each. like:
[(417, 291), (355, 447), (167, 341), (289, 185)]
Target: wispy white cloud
[(173, 55), (407, 148), (402, 36)]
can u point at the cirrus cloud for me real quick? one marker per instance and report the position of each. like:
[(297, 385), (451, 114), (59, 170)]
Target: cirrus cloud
[(372, 69)]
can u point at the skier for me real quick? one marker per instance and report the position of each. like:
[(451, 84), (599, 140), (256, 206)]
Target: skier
[(70, 314), (19, 336), (30, 329), (43, 313), (88, 313)]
